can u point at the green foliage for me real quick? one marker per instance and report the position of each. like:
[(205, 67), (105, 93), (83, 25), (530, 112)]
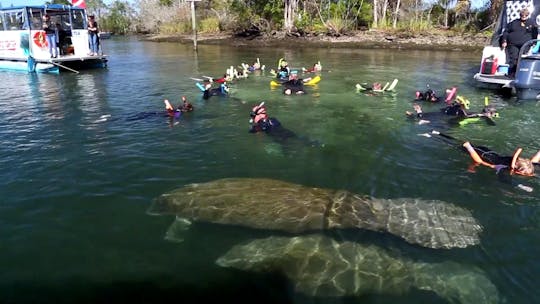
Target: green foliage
[(304, 21), (243, 12), (165, 2), (118, 20), (338, 25), (365, 14), (273, 11), (209, 25), (338, 16), (175, 27)]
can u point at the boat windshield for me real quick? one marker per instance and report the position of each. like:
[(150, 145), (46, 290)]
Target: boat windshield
[(13, 20), (78, 20)]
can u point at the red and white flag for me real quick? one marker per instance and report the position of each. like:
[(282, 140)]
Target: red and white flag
[(78, 3)]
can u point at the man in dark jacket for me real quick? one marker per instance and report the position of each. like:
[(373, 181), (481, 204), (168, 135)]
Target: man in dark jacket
[(517, 33)]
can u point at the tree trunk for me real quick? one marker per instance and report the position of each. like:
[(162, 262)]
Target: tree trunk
[(396, 13), (384, 8), (375, 14), (290, 11), (446, 14)]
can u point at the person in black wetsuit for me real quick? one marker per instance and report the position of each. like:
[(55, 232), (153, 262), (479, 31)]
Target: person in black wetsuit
[(458, 111), (261, 122), (186, 106), (430, 95), (515, 164), (294, 85), (505, 165), (517, 33)]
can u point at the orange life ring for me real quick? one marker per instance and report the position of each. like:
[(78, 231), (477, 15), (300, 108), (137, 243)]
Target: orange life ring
[(40, 40)]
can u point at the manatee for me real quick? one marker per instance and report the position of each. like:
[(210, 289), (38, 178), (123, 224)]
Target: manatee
[(320, 266), (277, 205)]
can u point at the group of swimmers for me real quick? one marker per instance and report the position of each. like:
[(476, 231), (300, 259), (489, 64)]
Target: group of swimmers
[(457, 108)]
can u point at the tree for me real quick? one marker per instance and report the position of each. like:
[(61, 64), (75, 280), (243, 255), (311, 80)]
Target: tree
[(290, 12), (96, 6), (119, 19)]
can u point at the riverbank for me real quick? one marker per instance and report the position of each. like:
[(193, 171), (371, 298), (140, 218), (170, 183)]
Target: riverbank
[(434, 40)]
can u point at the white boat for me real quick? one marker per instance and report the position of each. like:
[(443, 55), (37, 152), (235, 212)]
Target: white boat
[(23, 45), (493, 71)]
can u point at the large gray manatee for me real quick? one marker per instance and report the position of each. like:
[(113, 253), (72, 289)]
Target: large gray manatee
[(320, 266), (278, 205)]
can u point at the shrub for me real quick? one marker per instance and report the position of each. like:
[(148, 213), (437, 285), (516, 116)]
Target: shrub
[(209, 25)]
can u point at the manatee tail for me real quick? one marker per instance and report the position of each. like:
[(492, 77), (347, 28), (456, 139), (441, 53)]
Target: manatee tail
[(455, 283)]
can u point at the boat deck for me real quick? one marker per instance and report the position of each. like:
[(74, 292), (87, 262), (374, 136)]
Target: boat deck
[(70, 58), (496, 80)]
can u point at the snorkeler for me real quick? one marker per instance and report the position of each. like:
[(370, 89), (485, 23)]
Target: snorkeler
[(208, 91), (458, 111), (431, 96), (176, 112), (283, 71), (376, 87), (294, 85), (261, 122), (256, 66), (504, 166), (317, 67), (515, 164)]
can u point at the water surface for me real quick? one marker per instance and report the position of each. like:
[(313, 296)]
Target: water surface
[(80, 170)]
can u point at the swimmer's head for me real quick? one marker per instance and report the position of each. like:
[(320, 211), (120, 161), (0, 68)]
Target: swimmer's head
[(524, 166)]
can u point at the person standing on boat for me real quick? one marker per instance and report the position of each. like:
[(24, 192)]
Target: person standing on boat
[(93, 38), (517, 33), (50, 35)]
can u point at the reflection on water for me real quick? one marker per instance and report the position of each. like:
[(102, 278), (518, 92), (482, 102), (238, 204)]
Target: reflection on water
[(79, 175)]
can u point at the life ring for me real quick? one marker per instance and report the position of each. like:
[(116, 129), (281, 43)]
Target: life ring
[(40, 40)]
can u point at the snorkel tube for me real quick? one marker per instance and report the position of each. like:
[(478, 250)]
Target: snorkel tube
[(464, 102)]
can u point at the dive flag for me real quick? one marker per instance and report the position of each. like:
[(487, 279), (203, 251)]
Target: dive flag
[(78, 3)]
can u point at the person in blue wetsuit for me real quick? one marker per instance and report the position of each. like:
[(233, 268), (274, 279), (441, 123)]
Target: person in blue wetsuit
[(208, 91)]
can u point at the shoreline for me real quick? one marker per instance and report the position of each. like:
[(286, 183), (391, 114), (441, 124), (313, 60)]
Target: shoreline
[(444, 40)]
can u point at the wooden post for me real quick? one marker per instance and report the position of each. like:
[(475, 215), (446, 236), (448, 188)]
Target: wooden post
[(194, 23)]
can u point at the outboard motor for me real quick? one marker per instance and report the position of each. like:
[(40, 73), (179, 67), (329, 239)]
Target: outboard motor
[(527, 82)]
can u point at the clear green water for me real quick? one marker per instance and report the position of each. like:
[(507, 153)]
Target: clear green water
[(75, 188)]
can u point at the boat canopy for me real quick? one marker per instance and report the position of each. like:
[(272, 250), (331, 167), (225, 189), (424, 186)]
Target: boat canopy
[(30, 16), (510, 12)]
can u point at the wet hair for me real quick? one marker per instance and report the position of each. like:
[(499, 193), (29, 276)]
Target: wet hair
[(524, 166)]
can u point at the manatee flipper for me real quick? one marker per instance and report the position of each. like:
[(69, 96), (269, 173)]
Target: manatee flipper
[(177, 230)]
